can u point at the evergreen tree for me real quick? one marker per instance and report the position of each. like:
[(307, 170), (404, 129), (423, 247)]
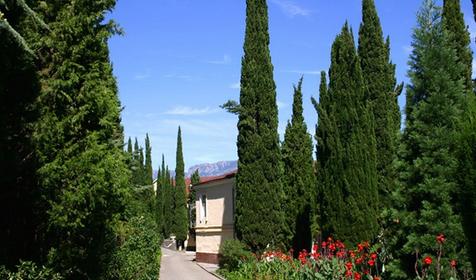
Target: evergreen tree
[(148, 161), (433, 107), (159, 193), (129, 147), (258, 183), (346, 149), (381, 92), (195, 179), (467, 175), (141, 174), (180, 222), (19, 87), (78, 138), (299, 180), (453, 22)]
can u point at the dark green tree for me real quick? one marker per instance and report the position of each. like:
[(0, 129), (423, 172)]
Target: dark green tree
[(129, 147), (453, 22), (382, 94), (78, 137), (19, 88), (298, 180), (180, 221), (347, 174), (148, 161), (258, 184), (428, 158), (195, 179), (467, 175)]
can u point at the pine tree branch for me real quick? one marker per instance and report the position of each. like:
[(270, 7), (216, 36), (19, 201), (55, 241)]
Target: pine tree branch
[(18, 38)]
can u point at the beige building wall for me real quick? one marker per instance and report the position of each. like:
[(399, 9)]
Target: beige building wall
[(214, 224)]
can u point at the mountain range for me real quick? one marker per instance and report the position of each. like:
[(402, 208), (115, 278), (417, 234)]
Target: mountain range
[(213, 169)]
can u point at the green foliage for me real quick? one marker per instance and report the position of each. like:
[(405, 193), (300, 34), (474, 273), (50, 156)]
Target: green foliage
[(347, 174), (426, 198), (233, 253), (29, 271), (299, 181), (148, 177), (19, 88), (138, 254), (459, 39), (195, 179), (467, 175), (381, 93), (180, 213), (258, 183)]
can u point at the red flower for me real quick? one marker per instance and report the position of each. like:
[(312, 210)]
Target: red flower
[(348, 273), (359, 260), (453, 263), (315, 248), (376, 278), (373, 256), (348, 266), (352, 254), (371, 262), (440, 238), (357, 276), (324, 244), (332, 247), (427, 260), (360, 247)]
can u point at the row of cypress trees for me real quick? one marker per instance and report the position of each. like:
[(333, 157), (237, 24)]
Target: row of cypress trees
[(370, 181)]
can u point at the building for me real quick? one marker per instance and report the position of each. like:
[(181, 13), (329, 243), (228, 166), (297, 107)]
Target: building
[(214, 204)]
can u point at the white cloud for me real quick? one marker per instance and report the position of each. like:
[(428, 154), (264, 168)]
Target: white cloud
[(291, 9), (474, 69), (304, 72), (235, 86), (226, 60), (142, 76), (188, 78), (188, 111), (281, 104), (407, 49)]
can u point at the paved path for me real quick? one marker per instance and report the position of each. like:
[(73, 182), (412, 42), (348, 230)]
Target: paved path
[(180, 266)]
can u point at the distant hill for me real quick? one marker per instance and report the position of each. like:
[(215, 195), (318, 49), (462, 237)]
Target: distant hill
[(213, 169)]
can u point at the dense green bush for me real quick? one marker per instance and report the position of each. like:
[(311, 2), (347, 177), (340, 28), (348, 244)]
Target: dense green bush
[(138, 254), (29, 271), (233, 253)]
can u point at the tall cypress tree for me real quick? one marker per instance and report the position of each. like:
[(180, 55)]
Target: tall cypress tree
[(467, 175), (19, 87), (78, 137), (433, 107), (346, 149), (381, 92), (299, 180), (258, 184), (148, 161), (180, 222), (453, 22), (129, 147)]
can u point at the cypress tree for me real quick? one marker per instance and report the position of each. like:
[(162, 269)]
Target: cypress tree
[(78, 137), (467, 175), (195, 179), (381, 92), (129, 147), (453, 22), (142, 174), (19, 87), (299, 177), (180, 222), (433, 107), (159, 193), (258, 183), (148, 161), (347, 174)]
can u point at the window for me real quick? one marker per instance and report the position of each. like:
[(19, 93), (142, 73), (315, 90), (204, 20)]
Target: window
[(203, 208)]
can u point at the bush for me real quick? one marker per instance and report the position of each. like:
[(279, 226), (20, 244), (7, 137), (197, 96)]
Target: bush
[(233, 253), (29, 271), (138, 254)]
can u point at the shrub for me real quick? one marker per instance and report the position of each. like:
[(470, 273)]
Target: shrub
[(29, 271), (233, 253), (138, 254)]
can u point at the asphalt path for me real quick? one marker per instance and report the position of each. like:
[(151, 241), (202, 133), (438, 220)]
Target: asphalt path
[(176, 265)]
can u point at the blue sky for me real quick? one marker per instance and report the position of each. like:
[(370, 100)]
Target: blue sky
[(180, 59)]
